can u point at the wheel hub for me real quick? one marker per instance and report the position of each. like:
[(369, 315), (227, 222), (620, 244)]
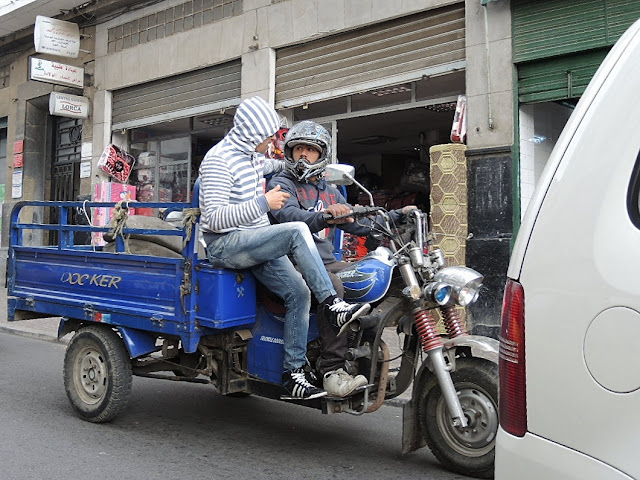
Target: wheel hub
[(91, 376), (482, 423)]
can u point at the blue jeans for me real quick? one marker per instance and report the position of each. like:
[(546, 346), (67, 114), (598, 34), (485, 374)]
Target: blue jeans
[(264, 251)]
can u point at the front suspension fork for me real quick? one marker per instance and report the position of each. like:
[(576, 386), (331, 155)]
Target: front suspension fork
[(432, 345)]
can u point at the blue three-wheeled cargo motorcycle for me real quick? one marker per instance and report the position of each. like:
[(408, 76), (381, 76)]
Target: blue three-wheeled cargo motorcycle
[(148, 303)]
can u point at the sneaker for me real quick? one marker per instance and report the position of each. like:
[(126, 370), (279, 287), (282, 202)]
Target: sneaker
[(341, 313), (340, 384), (298, 387)]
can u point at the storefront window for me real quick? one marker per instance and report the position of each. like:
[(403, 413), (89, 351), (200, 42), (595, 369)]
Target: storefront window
[(161, 172)]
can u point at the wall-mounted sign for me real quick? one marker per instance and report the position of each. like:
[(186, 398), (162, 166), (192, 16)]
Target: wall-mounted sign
[(54, 72), (18, 149), (17, 160), (16, 184), (56, 37), (64, 105)]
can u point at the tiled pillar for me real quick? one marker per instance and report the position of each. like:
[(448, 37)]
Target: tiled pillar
[(449, 204), (449, 200)]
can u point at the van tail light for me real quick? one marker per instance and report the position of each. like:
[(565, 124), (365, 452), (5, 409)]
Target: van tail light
[(513, 390)]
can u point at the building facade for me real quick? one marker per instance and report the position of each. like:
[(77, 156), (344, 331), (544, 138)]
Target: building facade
[(384, 76)]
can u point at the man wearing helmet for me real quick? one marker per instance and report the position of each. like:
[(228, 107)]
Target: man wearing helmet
[(307, 151), (238, 234)]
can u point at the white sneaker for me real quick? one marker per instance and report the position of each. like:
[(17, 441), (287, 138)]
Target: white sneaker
[(340, 384), (341, 313)]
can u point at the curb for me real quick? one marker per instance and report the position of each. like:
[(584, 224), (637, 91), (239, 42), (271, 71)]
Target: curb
[(36, 335)]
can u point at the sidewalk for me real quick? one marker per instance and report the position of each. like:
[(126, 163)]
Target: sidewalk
[(47, 329), (41, 328)]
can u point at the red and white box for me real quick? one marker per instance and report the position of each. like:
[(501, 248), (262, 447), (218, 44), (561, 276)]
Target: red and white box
[(109, 192)]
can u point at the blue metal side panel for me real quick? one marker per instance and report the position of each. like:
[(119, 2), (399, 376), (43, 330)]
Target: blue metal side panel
[(225, 298), (265, 350), (128, 290)]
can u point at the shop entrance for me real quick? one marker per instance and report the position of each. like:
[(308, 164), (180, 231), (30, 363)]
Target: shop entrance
[(391, 153), (67, 144)]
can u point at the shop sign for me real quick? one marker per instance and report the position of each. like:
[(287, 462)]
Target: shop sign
[(57, 73), (56, 37), (64, 105)]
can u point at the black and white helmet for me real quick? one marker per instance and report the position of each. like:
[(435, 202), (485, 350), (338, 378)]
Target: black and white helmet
[(307, 133)]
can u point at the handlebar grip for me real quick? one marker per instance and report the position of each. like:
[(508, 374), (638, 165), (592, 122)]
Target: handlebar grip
[(357, 212)]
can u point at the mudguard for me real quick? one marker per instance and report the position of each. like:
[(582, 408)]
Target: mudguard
[(137, 342)]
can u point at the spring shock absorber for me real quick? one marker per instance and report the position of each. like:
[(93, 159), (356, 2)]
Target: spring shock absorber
[(452, 322), (433, 346), (426, 327)]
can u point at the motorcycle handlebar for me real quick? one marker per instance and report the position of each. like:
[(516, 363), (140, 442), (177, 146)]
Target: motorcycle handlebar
[(356, 212)]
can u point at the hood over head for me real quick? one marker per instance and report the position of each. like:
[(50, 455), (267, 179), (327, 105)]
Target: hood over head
[(255, 120)]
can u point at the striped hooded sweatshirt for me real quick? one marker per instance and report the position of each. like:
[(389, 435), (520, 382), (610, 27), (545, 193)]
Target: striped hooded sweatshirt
[(231, 173)]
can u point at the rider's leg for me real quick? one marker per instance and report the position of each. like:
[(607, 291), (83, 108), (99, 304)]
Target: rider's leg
[(246, 248), (242, 249), (281, 277)]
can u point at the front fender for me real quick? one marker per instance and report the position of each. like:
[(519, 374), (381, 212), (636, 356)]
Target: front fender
[(478, 346), (481, 347)]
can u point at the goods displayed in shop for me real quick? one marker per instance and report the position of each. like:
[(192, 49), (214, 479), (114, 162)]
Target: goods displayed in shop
[(116, 162), (171, 185), (459, 127), (110, 192)]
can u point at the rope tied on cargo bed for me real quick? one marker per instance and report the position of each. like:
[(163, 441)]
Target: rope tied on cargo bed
[(119, 222), (190, 218)]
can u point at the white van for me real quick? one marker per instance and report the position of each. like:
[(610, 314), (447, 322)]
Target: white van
[(570, 333)]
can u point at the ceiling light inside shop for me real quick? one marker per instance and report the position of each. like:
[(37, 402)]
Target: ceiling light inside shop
[(217, 120), (373, 140), (442, 107), (389, 90)]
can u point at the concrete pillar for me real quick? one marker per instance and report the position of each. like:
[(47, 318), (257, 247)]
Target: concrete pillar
[(258, 74)]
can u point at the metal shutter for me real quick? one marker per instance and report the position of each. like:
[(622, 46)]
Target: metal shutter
[(558, 78), (185, 95), (384, 54), (546, 28)]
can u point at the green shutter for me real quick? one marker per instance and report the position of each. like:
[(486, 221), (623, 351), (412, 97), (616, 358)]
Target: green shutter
[(547, 28), (557, 78)]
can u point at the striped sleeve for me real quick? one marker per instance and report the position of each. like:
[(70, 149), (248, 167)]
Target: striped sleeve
[(226, 204)]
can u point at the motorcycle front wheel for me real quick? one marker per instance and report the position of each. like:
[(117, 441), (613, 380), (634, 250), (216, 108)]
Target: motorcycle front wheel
[(470, 450)]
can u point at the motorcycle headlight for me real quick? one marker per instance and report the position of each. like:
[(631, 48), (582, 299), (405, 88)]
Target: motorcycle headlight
[(465, 283), (439, 292)]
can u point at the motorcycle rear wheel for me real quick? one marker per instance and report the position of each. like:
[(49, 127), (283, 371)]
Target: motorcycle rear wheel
[(97, 374), (470, 450)]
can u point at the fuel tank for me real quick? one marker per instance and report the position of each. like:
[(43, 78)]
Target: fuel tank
[(368, 279)]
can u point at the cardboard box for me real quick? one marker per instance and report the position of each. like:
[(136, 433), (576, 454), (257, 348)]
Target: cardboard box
[(109, 192)]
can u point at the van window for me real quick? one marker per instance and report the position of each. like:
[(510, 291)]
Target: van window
[(633, 196)]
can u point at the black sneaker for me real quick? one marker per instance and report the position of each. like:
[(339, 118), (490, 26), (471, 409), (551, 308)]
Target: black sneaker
[(298, 387), (340, 313)]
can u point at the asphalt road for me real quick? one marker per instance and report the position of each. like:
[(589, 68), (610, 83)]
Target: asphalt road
[(187, 431)]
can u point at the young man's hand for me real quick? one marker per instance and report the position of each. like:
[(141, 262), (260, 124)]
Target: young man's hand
[(338, 209), (276, 198)]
